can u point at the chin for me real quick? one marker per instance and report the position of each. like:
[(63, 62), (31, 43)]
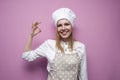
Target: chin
[(64, 37)]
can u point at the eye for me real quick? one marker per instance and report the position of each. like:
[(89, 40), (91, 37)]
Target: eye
[(66, 24), (59, 25)]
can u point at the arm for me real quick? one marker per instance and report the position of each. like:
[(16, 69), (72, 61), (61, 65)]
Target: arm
[(28, 53), (28, 44), (35, 31), (83, 66)]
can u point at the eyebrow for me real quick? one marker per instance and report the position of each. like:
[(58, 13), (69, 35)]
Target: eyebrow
[(59, 25)]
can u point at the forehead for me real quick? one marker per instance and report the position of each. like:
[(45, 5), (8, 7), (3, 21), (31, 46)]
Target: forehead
[(63, 21)]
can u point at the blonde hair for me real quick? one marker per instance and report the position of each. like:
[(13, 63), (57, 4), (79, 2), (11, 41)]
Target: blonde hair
[(58, 40)]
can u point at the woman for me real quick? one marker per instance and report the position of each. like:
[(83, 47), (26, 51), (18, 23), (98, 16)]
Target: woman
[(66, 57)]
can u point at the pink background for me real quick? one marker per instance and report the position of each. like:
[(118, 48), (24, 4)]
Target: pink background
[(97, 26)]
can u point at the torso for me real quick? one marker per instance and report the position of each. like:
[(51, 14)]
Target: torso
[(64, 67)]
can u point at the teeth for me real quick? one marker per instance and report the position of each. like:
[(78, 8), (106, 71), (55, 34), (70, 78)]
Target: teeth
[(64, 32)]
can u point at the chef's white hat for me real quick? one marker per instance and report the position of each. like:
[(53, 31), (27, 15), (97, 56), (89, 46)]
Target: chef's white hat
[(64, 13)]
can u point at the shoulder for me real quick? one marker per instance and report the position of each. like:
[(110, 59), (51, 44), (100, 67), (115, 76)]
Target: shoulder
[(50, 41), (79, 44)]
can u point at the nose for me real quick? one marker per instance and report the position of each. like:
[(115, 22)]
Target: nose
[(63, 27)]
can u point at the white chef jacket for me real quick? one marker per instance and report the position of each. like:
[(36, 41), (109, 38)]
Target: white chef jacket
[(48, 50)]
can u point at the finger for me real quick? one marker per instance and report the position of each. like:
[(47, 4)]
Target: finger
[(37, 23), (34, 25), (35, 28), (37, 32)]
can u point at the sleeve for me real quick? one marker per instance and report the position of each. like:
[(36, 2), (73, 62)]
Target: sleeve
[(38, 52), (83, 66)]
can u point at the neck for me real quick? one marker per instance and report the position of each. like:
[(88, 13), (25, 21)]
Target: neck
[(66, 40)]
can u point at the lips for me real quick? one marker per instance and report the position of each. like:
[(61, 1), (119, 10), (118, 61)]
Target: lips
[(64, 32)]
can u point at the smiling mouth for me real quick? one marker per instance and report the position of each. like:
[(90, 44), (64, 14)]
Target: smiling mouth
[(64, 32)]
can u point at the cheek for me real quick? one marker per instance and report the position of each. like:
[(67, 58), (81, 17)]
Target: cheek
[(59, 29), (70, 28)]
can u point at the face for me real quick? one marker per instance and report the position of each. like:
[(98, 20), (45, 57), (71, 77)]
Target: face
[(64, 28)]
